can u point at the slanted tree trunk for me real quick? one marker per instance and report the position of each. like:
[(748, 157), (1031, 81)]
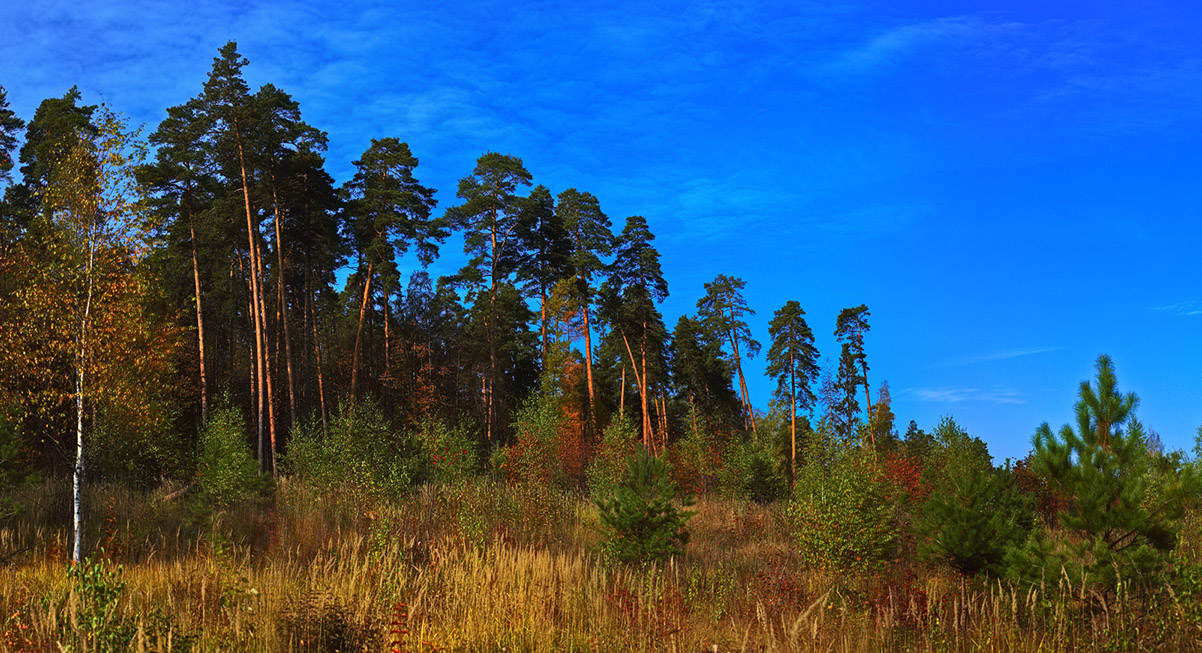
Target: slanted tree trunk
[(588, 360), (200, 325), (638, 381), (359, 331)]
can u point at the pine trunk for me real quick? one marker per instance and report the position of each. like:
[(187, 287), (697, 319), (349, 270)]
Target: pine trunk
[(279, 257)]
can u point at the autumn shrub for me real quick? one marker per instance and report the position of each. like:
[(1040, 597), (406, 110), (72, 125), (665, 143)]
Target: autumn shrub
[(533, 457), (697, 462), (227, 473), (450, 452), (842, 510), (640, 520), (608, 466)]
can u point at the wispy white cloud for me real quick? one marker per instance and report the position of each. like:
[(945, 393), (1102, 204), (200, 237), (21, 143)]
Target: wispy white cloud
[(958, 395), (999, 355), (1184, 309), (891, 46)]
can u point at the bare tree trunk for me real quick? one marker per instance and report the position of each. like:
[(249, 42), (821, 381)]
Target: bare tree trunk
[(588, 362), (267, 368), (256, 375), (622, 401), (359, 331), (255, 291), (387, 339), (279, 257), (792, 422), (638, 381), (646, 389), (321, 390), (542, 306)]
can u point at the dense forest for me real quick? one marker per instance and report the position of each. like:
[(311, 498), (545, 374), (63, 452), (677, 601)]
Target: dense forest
[(216, 363)]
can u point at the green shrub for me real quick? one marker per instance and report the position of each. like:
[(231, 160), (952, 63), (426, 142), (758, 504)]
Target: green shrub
[(843, 515), (639, 520), (756, 474), (608, 466), (974, 514), (227, 472), (362, 453)]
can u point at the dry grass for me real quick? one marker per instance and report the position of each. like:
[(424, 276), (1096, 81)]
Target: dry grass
[(481, 567)]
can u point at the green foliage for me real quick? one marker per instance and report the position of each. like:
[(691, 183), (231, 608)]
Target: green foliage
[(1124, 500), (450, 452), (99, 589), (362, 454), (639, 520), (227, 472), (752, 472), (10, 438), (608, 466), (842, 511), (974, 514)]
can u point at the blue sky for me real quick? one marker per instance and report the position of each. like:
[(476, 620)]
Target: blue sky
[(1012, 188)]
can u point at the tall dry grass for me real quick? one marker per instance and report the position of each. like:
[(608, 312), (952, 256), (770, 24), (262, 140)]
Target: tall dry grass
[(485, 567)]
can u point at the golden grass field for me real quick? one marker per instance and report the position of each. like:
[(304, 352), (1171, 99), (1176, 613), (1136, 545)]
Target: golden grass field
[(485, 567)]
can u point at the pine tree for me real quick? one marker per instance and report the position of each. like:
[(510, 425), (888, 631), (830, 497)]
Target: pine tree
[(724, 308), (793, 361), (1124, 500), (488, 217), (850, 327)]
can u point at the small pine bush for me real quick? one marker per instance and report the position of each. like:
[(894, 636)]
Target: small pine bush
[(640, 520), (756, 474)]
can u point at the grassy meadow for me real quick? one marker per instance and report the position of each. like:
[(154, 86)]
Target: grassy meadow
[(482, 566)]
